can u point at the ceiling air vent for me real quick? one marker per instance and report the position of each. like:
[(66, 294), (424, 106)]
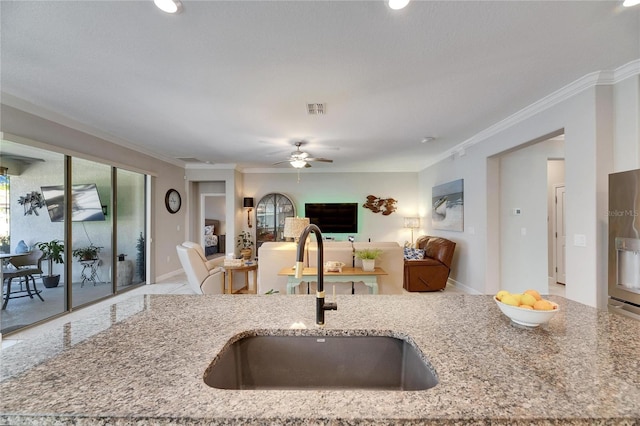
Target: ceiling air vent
[(316, 109)]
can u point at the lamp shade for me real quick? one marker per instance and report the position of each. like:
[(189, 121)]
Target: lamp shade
[(248, 202), (293, 226), (412, 222)]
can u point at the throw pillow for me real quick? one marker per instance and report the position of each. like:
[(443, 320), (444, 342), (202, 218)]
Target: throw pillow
[(208, 230), (22, 247), (413, 254)]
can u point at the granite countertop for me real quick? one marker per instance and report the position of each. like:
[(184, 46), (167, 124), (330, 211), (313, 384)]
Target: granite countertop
[(145, 365)]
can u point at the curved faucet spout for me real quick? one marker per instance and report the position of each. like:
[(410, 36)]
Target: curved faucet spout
[(321, 306)]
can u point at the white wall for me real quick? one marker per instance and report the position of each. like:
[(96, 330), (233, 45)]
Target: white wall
[(588, 122), (627, 124)]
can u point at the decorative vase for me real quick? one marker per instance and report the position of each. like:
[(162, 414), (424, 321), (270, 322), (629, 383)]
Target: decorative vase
[(246, 253), (368, 265), (124, 272)]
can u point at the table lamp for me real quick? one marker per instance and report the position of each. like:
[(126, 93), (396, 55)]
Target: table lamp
[(412, 223)]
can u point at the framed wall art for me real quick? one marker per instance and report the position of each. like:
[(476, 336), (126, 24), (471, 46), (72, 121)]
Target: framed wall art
[(447, 206)]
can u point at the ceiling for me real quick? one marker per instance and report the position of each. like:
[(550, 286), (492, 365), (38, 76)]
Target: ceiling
[(227, 82)]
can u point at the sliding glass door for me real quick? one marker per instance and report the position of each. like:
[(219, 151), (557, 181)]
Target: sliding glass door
[(90, 231), (130, 211), (34, 231), (91, 214)]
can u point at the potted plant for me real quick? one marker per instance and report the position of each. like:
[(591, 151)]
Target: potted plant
[(86, 253), (245, 243), (368, 257), (52, 252)]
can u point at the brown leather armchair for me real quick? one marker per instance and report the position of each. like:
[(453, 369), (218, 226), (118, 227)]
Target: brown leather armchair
[(431, 272)]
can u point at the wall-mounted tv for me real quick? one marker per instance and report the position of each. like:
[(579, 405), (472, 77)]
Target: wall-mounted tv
[(333, 218), (85, 204)]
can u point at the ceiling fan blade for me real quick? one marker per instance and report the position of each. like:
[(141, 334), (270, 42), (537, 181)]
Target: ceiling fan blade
[(281, 162), (324, 160)]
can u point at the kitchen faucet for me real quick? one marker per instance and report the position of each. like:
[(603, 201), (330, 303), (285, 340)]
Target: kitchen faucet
[(320, 305)]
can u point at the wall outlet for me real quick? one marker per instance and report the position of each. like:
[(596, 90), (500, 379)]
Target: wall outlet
[(516, 211)]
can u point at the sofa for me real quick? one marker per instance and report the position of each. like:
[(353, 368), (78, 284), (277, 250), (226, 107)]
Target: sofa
[(274, 256), (427, 267)]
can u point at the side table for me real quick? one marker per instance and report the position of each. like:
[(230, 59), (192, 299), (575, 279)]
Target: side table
[(89, 271), (228, 276)]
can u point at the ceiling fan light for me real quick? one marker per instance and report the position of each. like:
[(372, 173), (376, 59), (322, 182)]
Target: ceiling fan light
[(629, 3), (169, 6), (298, 164), (398, 4)]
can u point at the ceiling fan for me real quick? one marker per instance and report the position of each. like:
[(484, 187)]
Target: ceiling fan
[(300, 159)]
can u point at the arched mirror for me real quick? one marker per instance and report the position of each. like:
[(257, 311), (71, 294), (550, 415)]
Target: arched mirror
[(271, 211)]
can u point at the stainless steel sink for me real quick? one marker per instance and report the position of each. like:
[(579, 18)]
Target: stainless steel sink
[(321, 362)]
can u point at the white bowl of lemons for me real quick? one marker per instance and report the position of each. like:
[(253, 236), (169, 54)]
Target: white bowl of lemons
[(527, 308)]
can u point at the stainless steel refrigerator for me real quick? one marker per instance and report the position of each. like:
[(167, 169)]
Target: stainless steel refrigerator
[(624, 243)]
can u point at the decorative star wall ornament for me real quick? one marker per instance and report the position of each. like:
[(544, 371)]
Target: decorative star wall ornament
[(386, 206)]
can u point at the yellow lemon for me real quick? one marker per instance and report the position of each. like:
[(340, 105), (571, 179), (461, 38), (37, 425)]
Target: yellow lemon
[(509, 299), (501, 294), (534, 293), (527, 299), (518, 298), (526, 307)]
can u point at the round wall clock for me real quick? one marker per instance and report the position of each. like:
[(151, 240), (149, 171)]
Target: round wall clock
[(173, 201)]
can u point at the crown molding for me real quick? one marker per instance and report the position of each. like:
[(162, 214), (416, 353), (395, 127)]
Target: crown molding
[(28, 107), (630, 69), (212, 166), (599, 78)]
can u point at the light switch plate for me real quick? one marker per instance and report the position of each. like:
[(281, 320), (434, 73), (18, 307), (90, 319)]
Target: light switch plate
[(579, 240)]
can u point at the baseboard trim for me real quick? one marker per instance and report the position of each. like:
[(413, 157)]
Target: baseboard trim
[(462, 287), (168, 275)]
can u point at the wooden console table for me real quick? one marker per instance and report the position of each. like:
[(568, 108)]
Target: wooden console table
[(348, 274)]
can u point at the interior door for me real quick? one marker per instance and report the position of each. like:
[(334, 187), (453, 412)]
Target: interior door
[(560, 235)]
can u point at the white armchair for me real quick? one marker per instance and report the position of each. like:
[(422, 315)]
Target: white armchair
[(201, 279), (210, 264)]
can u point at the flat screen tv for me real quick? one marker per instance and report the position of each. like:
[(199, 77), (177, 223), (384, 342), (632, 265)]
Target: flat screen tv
[(85, 204), (333, 218)]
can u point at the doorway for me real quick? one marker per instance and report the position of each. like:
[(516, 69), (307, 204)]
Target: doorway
[(213, 207), (524, 213), (556, 226), (560, 236)]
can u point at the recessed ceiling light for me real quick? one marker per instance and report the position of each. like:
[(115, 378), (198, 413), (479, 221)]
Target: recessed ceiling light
[(427, 139), (629, 3), (400, 4), (169, 6)]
